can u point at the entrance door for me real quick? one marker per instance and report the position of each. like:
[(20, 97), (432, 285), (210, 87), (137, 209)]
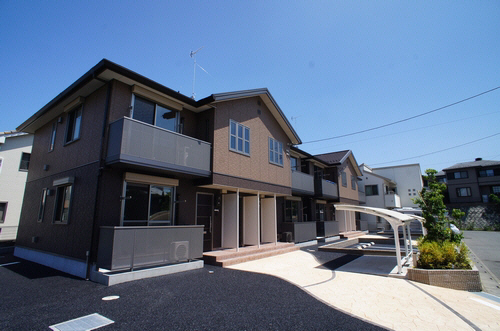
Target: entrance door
[(204, 216)]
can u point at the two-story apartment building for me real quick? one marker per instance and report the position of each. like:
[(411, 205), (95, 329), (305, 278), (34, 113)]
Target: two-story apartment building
[(118, 150), (15, 152), (472, 182), (318, 182)]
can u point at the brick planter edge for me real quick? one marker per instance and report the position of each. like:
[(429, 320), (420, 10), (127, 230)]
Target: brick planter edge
[(465, 280)]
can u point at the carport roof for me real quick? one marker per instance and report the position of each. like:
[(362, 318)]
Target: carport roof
[(393, 217)]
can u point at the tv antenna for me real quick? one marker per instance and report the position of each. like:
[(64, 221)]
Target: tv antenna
[(294, 118), (193, 56)]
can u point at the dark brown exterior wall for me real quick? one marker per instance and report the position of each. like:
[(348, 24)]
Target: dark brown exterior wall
[(79, 159), (470, 182)]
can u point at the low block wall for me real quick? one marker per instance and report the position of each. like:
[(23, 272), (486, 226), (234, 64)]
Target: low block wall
[(466, 280)]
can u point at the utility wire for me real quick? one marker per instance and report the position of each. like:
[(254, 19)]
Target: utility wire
[(403, 120), (442, 150), (406, 131)]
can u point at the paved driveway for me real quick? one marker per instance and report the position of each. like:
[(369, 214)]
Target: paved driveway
[(485, 246), (33, 297), (395, 303)]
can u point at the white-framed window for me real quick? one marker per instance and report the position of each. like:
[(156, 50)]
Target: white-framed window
[(41, 209), (464, 192), (239, 138), (344, 178), (155, 114), (73, 124), (275, 152), (63, 203)]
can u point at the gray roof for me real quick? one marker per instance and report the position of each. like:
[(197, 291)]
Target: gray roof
[(333, 158), (474, 164)]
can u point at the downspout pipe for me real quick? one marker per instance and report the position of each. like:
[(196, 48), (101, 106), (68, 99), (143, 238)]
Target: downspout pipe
[(93, 242)]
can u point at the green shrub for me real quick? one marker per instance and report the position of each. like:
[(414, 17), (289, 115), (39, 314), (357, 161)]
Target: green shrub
[(443, 255)]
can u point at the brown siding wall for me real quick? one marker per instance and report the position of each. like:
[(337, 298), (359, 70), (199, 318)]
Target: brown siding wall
[(121, 99), (80, 152), (79, 159), (256, 166), (348, 192), (72, 239)]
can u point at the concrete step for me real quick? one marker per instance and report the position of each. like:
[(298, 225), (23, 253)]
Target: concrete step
[(231, 258), (352, 234)]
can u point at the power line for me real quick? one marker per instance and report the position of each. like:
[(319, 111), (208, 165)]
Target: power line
[(442, 150), (406, 131), (403, 120)]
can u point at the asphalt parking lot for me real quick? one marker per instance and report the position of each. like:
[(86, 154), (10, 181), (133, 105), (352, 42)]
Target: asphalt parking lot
[(34, 297)]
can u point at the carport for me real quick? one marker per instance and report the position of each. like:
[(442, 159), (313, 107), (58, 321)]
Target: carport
[(396, 220)]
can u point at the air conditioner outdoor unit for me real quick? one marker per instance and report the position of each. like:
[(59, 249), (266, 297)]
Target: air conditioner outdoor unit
[(179, 251)]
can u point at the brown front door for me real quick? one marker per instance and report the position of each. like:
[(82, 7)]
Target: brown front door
[(204, 216)]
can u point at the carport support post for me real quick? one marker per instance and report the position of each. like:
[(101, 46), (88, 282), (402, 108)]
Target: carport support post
[(398, 249), (404, 238), (409, 237)]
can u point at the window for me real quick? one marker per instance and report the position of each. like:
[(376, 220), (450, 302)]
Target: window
[(463, 192), (275, 152), (3, 211), (344, 179), (489, 173), (294, 164), (152, 113), (25, 161), (53, 137), (458, 175), (496, 189), (148, 205), (63, 204), (291, 211), (239, 138), (43, 200), (73, 125), (353, 182), (372, 190)]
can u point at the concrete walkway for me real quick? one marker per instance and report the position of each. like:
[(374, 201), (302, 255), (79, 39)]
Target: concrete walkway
[(393, 303)]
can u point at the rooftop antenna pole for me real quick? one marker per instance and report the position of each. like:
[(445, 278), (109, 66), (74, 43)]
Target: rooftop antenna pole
[(193, 55)]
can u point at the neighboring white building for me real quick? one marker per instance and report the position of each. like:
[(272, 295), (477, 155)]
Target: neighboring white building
[(15, 152), (390, 188)]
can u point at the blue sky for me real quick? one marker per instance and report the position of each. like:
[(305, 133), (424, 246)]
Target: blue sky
[(334, 67)]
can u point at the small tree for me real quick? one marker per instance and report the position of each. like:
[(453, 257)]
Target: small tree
[(431, 201)]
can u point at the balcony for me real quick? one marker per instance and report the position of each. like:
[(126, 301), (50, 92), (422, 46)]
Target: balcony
[(302, 183), (392, 200), (329, 189), (142, 145)]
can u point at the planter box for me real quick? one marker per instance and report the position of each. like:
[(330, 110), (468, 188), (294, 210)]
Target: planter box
[(466, 280)]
